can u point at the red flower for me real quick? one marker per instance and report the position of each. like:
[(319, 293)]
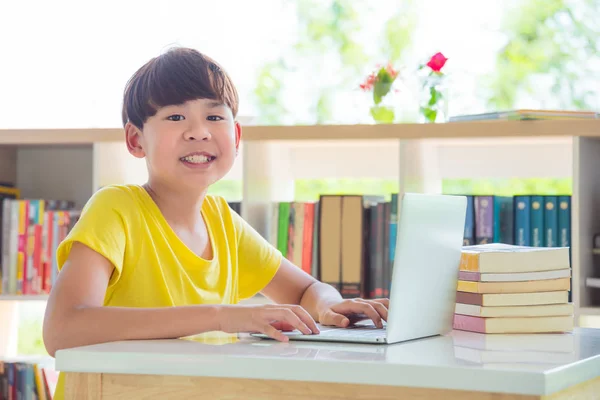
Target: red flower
[(437, 62), (386, 75), (369, 82), (390, 69)]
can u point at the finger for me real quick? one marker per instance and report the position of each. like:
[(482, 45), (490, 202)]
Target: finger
[(381, 309), (273, 333), (287, 315), (282, 326), (369, 310), (306, 318), (335, 319), (385, 302)]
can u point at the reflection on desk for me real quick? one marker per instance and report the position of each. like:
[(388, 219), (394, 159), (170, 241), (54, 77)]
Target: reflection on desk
[(509, 363)]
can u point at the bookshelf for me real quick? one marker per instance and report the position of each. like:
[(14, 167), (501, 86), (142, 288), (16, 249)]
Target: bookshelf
[(586, 222), (475, 129), (73, 163), (37, 297)]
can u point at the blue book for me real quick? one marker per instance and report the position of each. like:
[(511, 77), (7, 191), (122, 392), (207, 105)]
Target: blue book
[(503, 219), (551, 221), (564, 221), (537, 221), (522, 206), (393, 227)]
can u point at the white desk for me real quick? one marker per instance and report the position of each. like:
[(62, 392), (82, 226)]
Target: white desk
[(461, 365)]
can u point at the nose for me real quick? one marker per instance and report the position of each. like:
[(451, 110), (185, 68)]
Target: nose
[(197, 132)]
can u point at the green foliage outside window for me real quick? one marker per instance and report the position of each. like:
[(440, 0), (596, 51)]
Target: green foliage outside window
[(509, 187), (310, 189)]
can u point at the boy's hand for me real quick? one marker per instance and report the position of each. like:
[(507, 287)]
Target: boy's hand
[(350, 311), (269, 319)]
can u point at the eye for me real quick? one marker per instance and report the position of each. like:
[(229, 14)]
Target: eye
[(176, 117), (214, 118)]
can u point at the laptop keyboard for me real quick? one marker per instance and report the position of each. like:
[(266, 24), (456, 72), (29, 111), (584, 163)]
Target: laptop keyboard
[(353, 331)]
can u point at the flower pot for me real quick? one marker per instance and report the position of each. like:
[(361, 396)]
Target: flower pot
[(433, 99), (384, 108)]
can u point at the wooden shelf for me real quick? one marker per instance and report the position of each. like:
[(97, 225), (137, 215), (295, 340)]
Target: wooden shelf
[(10, 297), (475, 129), (478, 129), (60, 136)]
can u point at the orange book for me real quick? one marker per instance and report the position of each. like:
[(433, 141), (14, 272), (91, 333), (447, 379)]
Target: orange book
[(22, 247), (547, 285), (506, 258)]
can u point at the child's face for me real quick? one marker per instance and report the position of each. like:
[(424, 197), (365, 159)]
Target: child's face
[(193, 144)]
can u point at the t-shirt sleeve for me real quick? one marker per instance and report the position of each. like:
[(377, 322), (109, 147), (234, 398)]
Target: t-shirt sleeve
[(103, 227), (258, 260)]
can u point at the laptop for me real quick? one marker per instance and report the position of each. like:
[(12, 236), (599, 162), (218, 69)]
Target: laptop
[(424, 275)]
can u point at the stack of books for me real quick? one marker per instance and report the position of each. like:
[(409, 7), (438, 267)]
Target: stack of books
[(506, 288)]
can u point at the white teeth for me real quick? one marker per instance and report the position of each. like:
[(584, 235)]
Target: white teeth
[(197, 159)]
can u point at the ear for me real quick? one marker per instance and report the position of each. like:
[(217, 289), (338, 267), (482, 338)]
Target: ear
[(238, 136), (133, 138)]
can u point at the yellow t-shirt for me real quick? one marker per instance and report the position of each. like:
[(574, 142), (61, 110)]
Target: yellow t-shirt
[(154, 268)]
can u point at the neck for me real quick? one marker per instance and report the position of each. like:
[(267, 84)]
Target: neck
[(180, 206)]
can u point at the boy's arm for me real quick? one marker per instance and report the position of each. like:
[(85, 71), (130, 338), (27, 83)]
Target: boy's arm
[(75, 315), (292, 285)]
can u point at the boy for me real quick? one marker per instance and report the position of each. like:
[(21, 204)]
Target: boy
[(166, 260)]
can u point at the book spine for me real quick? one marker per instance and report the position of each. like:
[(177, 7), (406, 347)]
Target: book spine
[(309, 211), (367, 275), (315, 272), (22, 247), (379, 253), (289, 252), (564, 221), (10, 377), (469, 235), (484, 219), (551, 222), (393, 228), (386, 249), (373, 266), (469, 276), (503, 220), (13, 252), (522, 206), (5, 252), (284, 216), (469, 323), (537, 221)]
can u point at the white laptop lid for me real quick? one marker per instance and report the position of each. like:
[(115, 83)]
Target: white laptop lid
[(425, 271)]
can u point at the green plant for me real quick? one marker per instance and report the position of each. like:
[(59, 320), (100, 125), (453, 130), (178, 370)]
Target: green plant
[(430, 107), (381, 82)]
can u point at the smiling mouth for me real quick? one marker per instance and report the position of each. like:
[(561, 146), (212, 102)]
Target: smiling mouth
[(198, 159)]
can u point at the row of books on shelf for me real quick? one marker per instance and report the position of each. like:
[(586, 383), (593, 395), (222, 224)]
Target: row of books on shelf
[(27, 378), (347, 241), (524, 220), (30, 231)]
